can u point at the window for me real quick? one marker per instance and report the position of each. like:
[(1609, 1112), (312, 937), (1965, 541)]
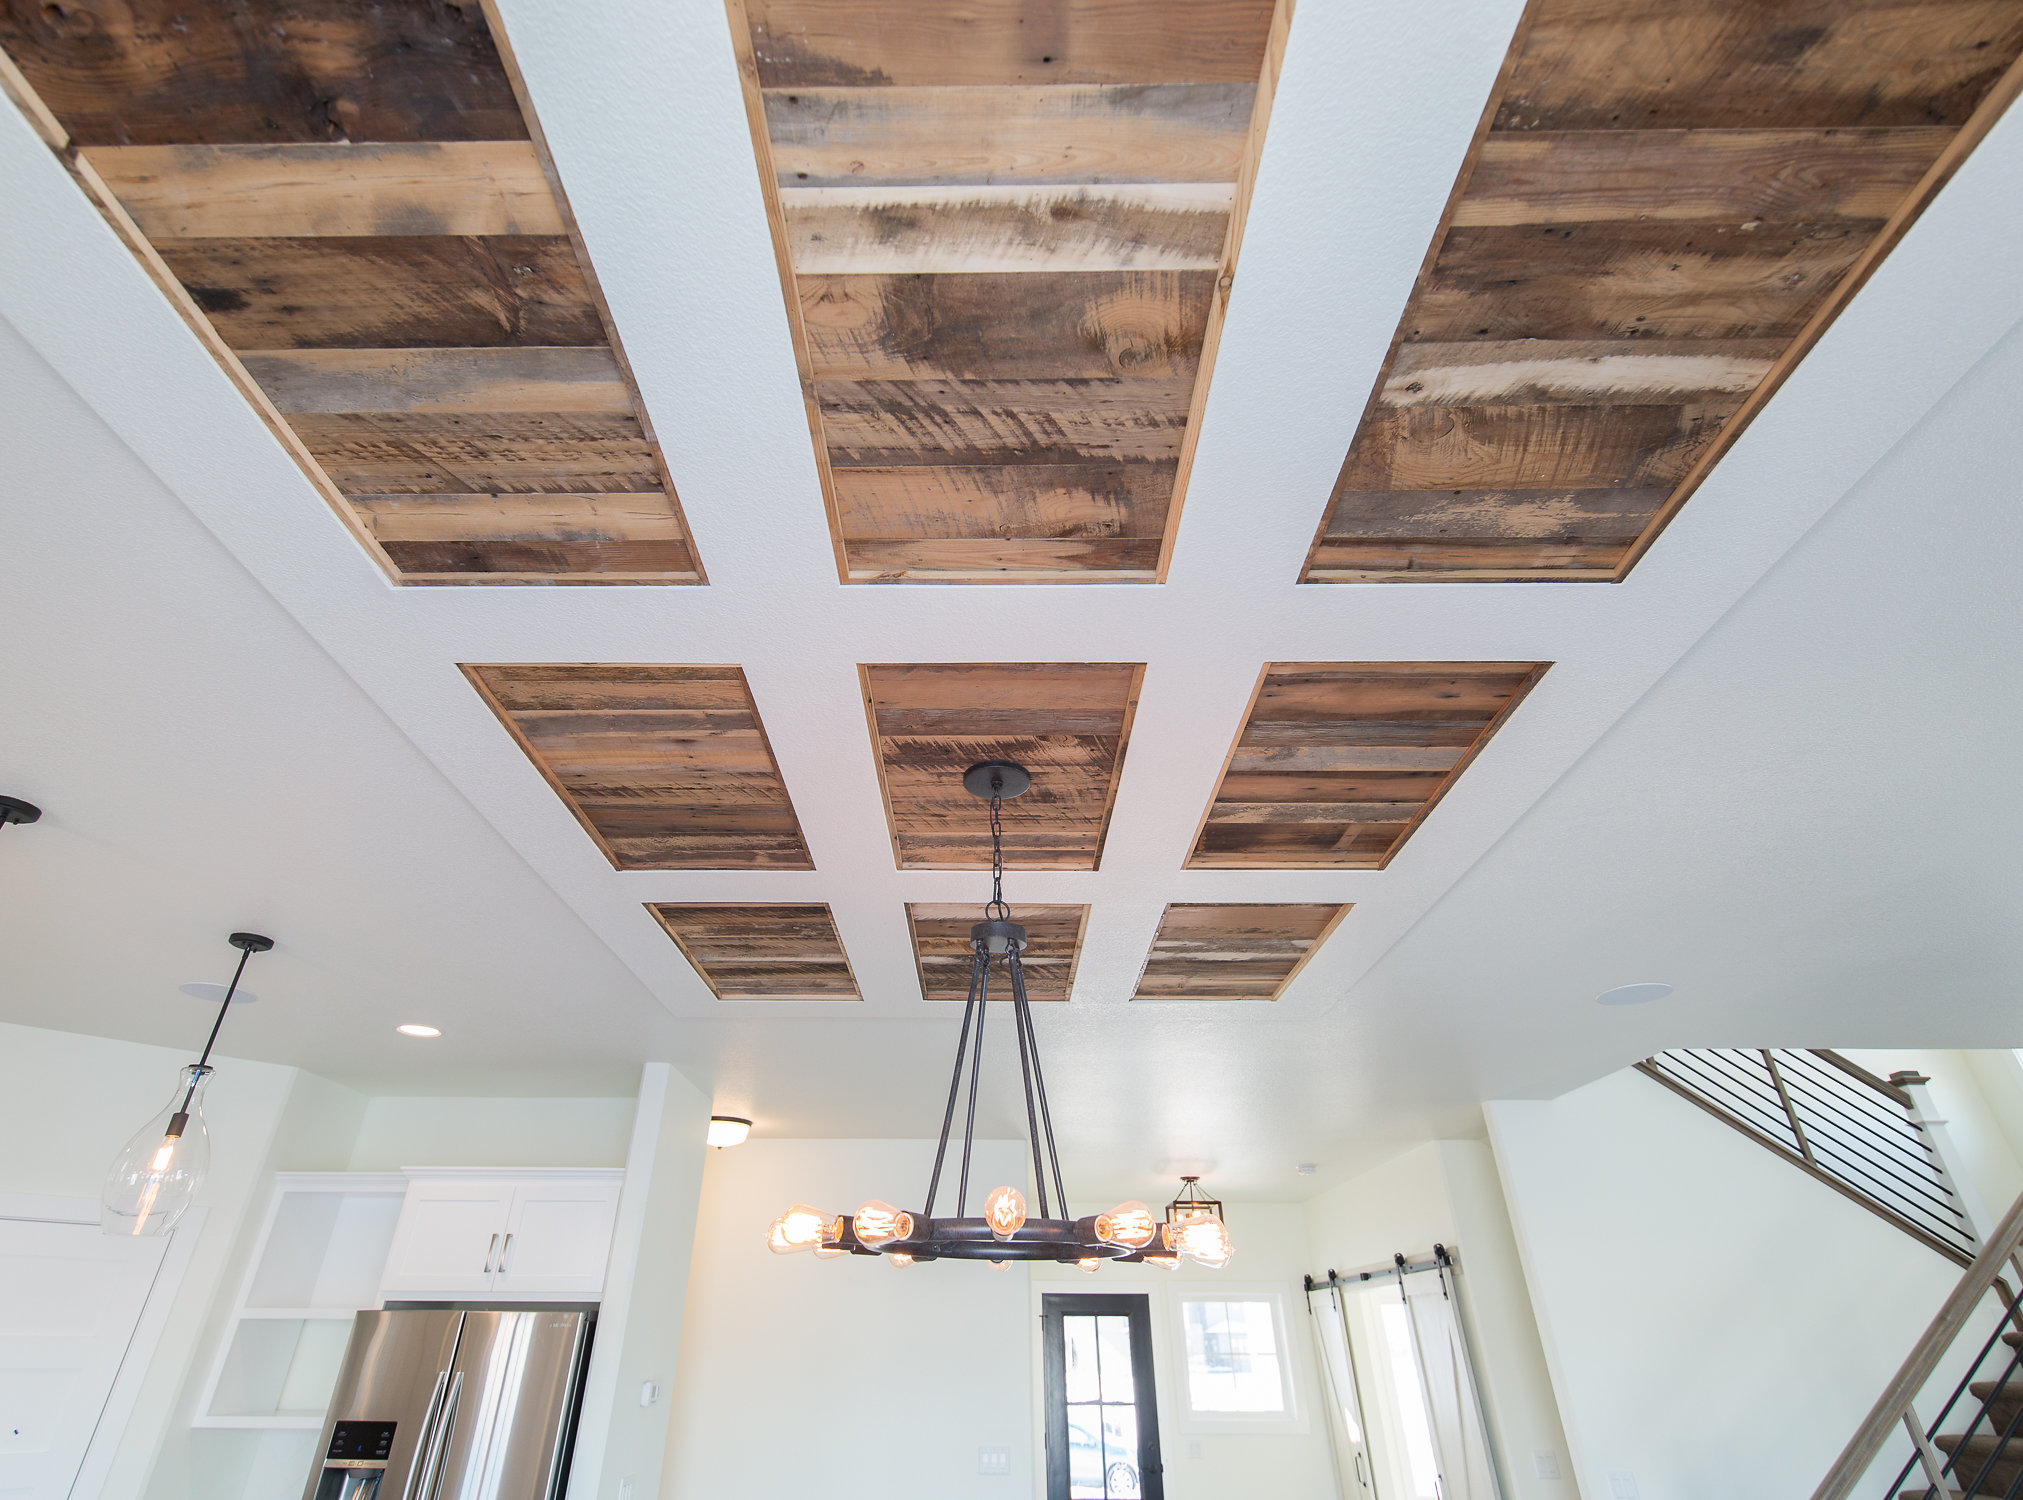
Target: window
[(1232, 1356), (1102, 1420)]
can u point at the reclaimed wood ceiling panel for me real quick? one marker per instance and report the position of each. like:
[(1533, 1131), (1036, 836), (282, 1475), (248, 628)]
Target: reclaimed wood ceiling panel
[(1338, 762), (761, 952), (1668, 201), (1007, 231), (352, 206), (1066, 722), (666, 767), (942, 956), (1233, 950)]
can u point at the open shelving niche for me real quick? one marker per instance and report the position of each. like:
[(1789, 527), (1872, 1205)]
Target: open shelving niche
[(318, 1262)]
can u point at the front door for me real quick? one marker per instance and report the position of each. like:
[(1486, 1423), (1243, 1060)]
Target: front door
[(1102, 1414)]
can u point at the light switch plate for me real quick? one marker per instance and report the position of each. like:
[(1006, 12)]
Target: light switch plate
[(1547, 1464), (1622, 1485), (994, 1461), (1194, 1447)]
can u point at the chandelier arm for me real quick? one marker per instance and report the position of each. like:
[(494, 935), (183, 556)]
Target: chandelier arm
[(1046, 1117), (975, 1077), (1019, 1023), (954, 1084)]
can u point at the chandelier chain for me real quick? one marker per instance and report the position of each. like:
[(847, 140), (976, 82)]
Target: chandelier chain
[(997, 910)]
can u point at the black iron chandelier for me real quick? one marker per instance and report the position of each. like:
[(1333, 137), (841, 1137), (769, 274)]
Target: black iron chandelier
[(1005, 1231)]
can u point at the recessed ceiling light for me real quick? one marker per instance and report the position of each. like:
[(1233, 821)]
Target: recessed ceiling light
[(418, 1030), (1633, 994), (214, 994), (728, 1130), (1307, 1168)]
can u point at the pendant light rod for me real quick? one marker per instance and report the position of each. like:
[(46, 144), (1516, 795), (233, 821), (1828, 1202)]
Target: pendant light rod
[(248, 944), (954, 1089)]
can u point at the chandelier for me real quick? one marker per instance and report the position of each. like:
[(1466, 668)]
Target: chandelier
[(1006, 1230)]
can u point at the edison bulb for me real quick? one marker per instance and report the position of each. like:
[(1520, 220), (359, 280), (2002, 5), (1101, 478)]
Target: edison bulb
[(829, 1252), (157, 1175), (900, 1258), (1164, 1262), (1089, 1263), (1005, 1211), (997, 1265), (799, 1228), (878, 1223), (1128, 1224), (1201, 1238)]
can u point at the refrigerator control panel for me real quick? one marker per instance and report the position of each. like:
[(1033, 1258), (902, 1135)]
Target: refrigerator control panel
[(371, 1442)]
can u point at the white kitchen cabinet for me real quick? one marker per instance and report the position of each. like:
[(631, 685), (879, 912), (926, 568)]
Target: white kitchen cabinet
[(503, 1235)]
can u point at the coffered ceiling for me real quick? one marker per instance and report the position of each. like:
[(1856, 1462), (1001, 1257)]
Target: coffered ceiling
[(736, 802)]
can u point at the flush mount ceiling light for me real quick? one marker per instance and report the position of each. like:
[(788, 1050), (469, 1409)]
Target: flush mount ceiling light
[(1005, 1230), (412, 1029), (154, 1179), (728, 1130), (1633, 994)]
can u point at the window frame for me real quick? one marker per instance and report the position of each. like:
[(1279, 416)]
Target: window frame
[(1137, 1307), (1293, 1419)]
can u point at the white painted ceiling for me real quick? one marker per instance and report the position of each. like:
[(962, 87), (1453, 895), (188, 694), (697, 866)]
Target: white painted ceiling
[(1774, 768)]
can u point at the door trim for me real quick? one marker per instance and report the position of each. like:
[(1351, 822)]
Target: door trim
[(120, 1400), (1137, 1306)]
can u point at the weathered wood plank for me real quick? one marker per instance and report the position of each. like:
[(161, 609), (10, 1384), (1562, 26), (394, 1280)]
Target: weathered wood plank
[(243, 192), (625, 517), (1699, 175), (942, 956), (161, 72), (804, 43), (459, 453), (1458, 559), (884, 231), (1024, 501), (1233, 951), (1735, 64), (1114, 560), (854, 137), (1337, 762), (1529, 447), (440, 380), (406, 293), (637, 786), (875, 423), (1536, 372), (1554, 515), (1622, 280), (761, 951), (999, 326), (1068, 723), (544, 561)]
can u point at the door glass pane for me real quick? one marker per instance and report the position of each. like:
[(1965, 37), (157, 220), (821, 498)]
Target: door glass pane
[(1120, 1452), (1084, 1382), (1113, 1340), (1085, 1453), (1232, 1357)]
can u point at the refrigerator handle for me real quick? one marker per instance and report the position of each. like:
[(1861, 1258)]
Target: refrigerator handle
[(428, 1473), (491, 1250)]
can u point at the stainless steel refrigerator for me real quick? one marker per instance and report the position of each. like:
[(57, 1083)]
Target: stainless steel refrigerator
[(444, 1405)]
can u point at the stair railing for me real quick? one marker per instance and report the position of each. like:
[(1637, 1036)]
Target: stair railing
[(1875, 1140), (1987, 1441)]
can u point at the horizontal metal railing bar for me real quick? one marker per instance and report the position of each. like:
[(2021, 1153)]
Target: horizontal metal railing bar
[(1929, 1198), (1931, 1241), (1854, 1069), (1900, 1131), (1768, 1108), (2010, 1309), (1910, 1378), (1887, 1099)]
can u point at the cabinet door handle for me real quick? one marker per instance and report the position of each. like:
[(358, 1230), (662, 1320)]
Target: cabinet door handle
[(490, 1251), (505, 1253)]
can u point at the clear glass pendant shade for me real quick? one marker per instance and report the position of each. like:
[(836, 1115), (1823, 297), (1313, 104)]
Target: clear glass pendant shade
[(156, 1177)]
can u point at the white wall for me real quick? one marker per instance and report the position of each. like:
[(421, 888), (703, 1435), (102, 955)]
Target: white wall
[(1447, 1193), (848, 1378), (1271, 1250), (1716, 1322), (620, 1444), (401, 1131), (70, 1103)]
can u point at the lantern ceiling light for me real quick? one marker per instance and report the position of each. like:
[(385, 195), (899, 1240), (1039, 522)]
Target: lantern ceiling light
[(1006, 1229), (1193, 1230)]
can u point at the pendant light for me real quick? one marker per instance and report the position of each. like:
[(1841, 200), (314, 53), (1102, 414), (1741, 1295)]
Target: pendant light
[(1193, 1230), (153, 1181), (1006, 1229)]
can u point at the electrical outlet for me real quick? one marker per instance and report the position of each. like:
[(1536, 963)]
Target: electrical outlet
[(1546, 1464), (1194, 1447), (994, 1461), (1622, 1485)]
